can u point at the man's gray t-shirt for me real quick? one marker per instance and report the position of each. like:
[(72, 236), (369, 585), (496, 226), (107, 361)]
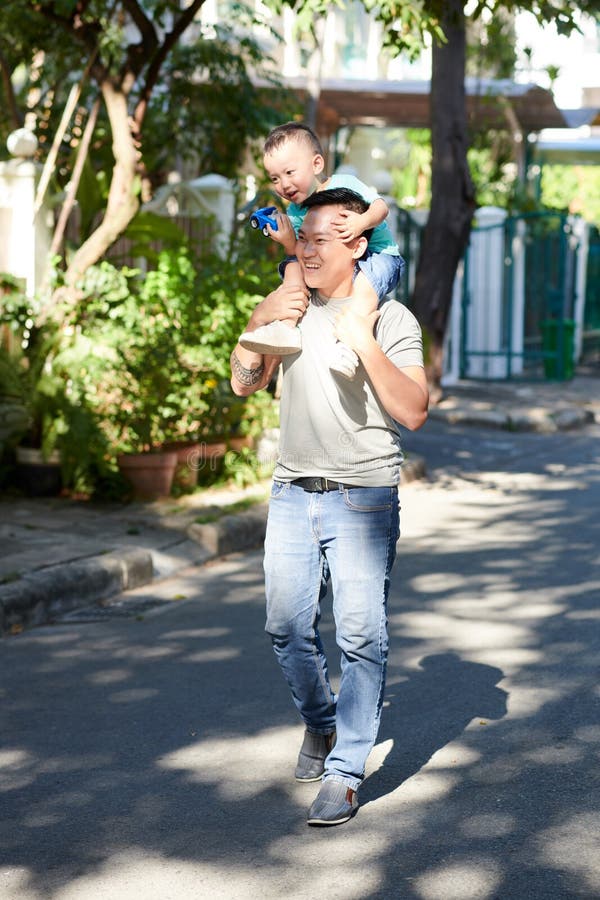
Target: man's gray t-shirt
[(336, 428)]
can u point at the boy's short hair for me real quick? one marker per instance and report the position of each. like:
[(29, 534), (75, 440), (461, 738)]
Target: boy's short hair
[(292, 131)]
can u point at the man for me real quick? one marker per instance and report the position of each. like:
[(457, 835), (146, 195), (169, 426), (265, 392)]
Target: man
[(334, 506)]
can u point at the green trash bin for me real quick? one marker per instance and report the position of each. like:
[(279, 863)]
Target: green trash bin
[(558, 347)]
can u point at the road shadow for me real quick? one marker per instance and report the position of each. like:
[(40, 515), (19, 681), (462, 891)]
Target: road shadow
[(428, 710), (165, 746)]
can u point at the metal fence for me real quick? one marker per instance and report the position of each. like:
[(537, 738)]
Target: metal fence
[(527, 296), (591, 316)]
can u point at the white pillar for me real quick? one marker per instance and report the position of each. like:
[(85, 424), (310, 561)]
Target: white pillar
[(453, 336), (581, 230), (486, 292), (517, 256), (217, 192), (24, 241)]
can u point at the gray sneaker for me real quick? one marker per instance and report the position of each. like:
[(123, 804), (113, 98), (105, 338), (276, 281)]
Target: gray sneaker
[(314, 751), (334, 804)]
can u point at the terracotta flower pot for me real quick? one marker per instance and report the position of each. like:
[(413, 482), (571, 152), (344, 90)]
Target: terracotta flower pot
[(213, 450), (149, 474), (189, 459), (239, 442)]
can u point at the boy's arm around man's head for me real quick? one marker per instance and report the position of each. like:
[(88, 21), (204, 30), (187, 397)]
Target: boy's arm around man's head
[(350, 225)]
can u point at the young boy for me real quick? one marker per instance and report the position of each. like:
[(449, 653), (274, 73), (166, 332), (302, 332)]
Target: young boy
[(294, 161)]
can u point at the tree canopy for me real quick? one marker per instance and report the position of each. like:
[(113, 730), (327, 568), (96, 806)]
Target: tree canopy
[(168, 88), (408, 25)]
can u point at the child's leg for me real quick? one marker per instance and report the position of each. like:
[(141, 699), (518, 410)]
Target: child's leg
[(344, 361), (364, 295), (291, 276), (281, 337), (378, 274)]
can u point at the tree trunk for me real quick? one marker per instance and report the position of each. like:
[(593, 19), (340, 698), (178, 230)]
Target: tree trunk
[(9, 93), (446, 234), (122, 202)]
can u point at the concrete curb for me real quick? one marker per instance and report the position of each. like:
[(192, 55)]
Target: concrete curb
[(538, 420), (35, 597), (413, 468), (246, 530), (229, 534)]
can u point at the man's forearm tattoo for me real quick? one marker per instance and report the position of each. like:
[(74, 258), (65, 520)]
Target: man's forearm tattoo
[(243, 374)]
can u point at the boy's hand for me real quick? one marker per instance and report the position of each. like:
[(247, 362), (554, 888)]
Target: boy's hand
[(348, 225), (285, 233)]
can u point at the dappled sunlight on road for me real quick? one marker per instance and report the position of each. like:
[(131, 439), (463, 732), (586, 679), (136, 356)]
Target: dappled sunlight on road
[(474, 878), (155, 755), (574, 845), (259, 761)]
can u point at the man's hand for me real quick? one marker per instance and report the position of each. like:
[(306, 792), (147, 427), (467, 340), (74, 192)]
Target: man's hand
[(402, 392), (285, 234), (288, 301), (348, 225), (356, 331)]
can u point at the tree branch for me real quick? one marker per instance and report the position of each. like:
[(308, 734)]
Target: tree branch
[(122, 200), (161, 54), (86, 32), (144, 26), (73, 185), (13, 108)]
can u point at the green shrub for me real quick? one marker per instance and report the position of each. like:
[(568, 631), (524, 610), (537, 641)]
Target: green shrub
[(159, 346)]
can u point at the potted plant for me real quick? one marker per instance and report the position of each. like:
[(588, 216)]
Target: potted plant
[(149, 385), (28, 380), (56, 434)]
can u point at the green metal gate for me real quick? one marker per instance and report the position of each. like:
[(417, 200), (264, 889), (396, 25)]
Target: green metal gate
[(550, 268), (535, 259), (409, 240), (591, 316)]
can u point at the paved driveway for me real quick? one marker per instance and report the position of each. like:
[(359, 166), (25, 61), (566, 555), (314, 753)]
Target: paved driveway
[(150, 756)]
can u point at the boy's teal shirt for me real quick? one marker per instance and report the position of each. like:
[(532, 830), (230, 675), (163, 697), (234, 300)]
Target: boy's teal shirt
[(381, 241)]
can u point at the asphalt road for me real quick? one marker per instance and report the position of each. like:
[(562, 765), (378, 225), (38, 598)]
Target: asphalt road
[(151, 756)]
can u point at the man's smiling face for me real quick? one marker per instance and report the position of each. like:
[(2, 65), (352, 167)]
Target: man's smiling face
[(327, 262)]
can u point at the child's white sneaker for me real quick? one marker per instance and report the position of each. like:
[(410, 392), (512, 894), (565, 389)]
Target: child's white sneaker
[(344, 361), (275, 339)]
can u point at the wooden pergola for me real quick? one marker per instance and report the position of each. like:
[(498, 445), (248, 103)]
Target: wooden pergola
[(523, 108)]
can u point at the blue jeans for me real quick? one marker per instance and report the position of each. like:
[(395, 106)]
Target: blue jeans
[(348, 535), (382, 271)]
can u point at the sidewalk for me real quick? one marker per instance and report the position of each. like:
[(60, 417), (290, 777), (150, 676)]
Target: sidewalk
[(545, 406), (60, 554)]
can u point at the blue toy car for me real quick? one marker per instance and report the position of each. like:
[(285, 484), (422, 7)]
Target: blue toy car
[(262, 217)]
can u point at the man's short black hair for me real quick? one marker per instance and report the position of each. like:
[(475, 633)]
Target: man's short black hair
[(339, 197)]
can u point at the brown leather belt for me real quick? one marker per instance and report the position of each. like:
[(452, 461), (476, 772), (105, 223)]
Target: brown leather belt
[(319, 484)]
